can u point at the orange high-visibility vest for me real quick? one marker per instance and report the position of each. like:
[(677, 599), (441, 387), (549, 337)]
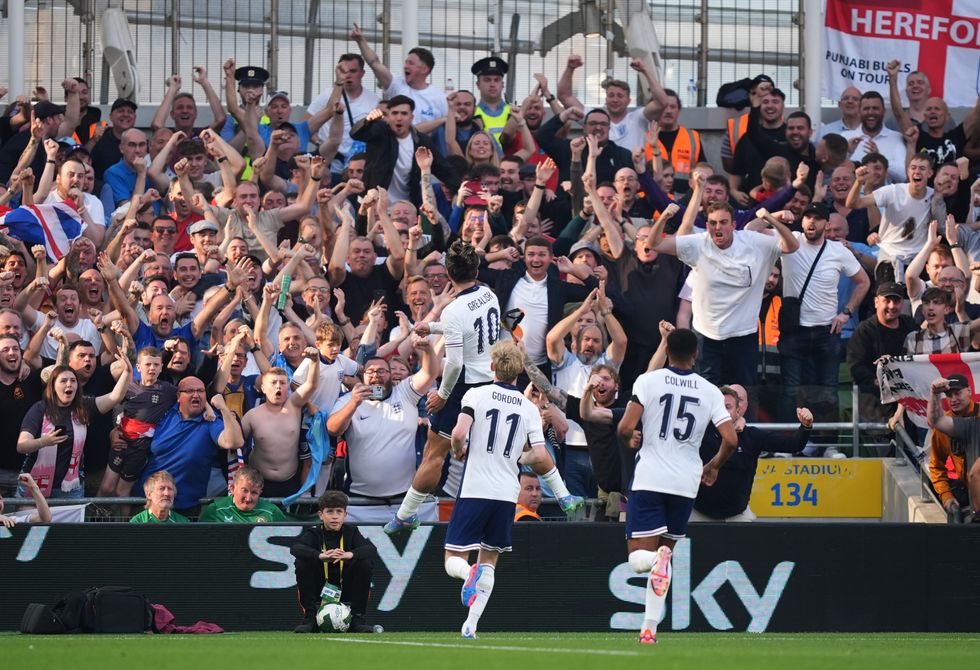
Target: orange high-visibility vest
[(522, 512), (737, 128), (686, 149)]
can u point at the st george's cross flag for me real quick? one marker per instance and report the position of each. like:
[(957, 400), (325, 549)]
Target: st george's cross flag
[(908, 379), (940, 38), (54, 225)]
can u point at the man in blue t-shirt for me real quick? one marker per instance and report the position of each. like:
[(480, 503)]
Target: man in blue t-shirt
[(185, 444)]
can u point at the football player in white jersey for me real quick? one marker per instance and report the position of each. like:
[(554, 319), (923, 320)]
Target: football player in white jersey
[(676, 405), (470, 325), (503, 428)]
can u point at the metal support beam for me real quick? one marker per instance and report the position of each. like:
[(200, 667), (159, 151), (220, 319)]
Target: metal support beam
[(273, 60), (702, 77), (312, 19), (410, 26), (385, 20), (515, 24), (811, 46), (175, 36), (88, 49), (15, 48)]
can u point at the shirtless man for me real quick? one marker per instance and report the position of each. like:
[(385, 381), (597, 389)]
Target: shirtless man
[(275, 429)]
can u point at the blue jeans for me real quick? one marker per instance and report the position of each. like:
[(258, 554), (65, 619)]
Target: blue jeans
[(810, 358), (734, 360), (578, 473)]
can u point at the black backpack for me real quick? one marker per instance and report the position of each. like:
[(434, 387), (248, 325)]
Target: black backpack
[(107, 609)]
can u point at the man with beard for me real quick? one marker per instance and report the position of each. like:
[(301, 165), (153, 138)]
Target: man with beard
[(881, 334), (905, 211), (873, 136), (747, 162), (795, 144), (68, 310), (185, 445), (571, 371), (278, 453), (379, 420), (627, 128), (649, 282), (462, 104), (17, 395), (810, 354), (70, 185)]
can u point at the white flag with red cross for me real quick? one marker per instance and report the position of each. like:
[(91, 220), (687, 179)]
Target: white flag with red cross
[(940, 38), (908, 379)]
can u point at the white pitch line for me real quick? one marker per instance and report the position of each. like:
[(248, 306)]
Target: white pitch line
[(492, 647)]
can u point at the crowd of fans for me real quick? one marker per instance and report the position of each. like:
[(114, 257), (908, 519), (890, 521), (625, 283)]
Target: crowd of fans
[(193, 302)]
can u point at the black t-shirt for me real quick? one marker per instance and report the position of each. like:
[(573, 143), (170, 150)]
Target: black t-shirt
[(33, 422), (359, 293), (16, 399), (945, 149), (748, 161), (105, 153), (604, 446), (99, 425), (651, 292)]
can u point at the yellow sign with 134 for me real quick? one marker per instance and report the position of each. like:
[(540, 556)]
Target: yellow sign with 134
[(817, 487)]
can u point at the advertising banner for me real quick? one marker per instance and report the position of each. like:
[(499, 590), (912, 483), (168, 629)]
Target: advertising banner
[(560, 577), (817, 488)]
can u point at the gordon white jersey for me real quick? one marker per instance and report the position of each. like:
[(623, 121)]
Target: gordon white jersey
[(472, 321), (678, 405), (503, 422)]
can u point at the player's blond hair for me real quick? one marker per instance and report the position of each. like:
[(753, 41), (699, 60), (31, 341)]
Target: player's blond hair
[(507, 360)]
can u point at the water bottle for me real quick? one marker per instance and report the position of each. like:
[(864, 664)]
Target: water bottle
[(450, 85), (692, 92)]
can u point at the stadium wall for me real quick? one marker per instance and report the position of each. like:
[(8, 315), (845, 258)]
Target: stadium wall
[(565, 577)]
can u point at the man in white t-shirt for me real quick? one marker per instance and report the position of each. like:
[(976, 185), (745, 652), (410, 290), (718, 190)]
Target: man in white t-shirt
[(873, 137), (627, 128), (676, 406), (69, 184), (430, 102), (379, 421), (810, 355), (731, 271), (905, 210), (358, 102), (69, 319)]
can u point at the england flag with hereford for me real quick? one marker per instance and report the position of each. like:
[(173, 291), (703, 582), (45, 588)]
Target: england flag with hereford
[(907, 379), (54, 225)]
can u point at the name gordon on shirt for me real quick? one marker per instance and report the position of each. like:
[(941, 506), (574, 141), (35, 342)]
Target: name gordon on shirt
[(509, 399)]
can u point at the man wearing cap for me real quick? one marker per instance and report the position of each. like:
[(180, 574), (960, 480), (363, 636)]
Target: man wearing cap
[(106, 151), (121, 177), (810, 355), (955, 439), (491, 109), (429, 101), (277, 113), (27, 139), (627, 128), (882, 334)]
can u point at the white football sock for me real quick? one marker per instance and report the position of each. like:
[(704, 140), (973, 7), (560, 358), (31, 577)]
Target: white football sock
[(456, 566), (642, 560), (555, 482), (654, 611), (484, 586), (410, 505)]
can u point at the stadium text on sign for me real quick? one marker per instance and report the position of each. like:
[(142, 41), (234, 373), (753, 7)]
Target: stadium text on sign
[(816, 487)]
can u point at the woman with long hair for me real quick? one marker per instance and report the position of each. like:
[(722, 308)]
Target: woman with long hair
[(53, 432)]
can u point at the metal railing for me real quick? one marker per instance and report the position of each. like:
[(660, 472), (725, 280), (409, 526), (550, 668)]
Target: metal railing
[(704, 43)]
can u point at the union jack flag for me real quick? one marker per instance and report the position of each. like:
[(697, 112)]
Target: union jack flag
[(55, 225)]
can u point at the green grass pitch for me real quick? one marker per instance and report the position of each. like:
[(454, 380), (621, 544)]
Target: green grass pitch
[(504, 651)]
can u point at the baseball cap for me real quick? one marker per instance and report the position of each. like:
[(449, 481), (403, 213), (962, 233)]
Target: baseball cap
[(201, 226), (45, 110), (279, 94), (586, 246), (817, 209), (123, 102), (957, 382), (761, 78), (891, 289)]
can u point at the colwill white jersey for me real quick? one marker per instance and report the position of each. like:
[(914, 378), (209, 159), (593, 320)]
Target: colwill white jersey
[(503, 422), (471, 323), (677, 407)]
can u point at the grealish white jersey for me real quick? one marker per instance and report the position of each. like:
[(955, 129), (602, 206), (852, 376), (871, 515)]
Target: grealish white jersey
[(472, 321), (677, 407), (503, 422)]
